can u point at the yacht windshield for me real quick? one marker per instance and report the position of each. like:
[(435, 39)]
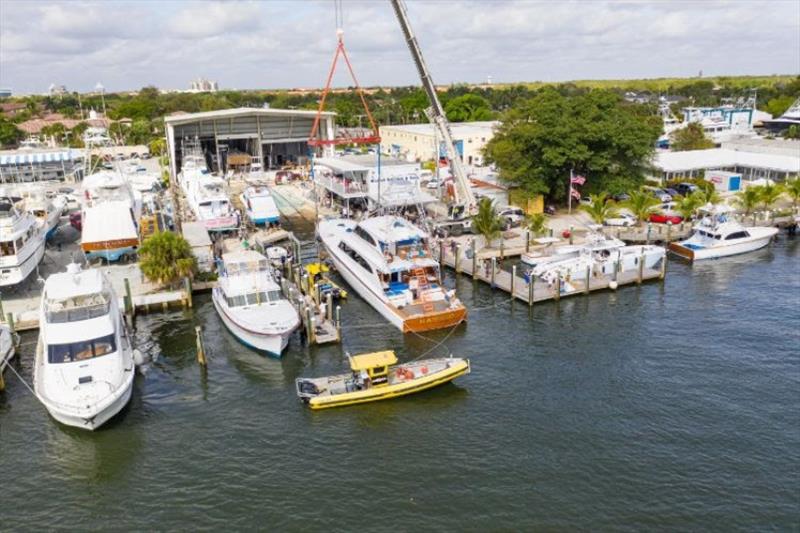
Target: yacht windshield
[(81, 350), (77, 308)]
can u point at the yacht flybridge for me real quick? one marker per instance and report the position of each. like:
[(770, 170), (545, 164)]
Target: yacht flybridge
[(719, 235), (21, 243), (83, 370), (388, 261)]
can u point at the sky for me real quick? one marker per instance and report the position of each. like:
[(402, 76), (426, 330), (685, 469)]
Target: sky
[(286, 44)]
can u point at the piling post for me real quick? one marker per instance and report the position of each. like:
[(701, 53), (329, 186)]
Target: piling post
[(588, 279), (557, 295), (527, 242), (310, 325), (329, 306), (201, 351), (441, 255), (531, 290), (664, 267), (187, 287), (551, 233), (649, 229), (474, 260), (494, 267), (455, 259), (288, 268), (2, 381), (571, 236), (339, 321), (669, 231), (129, 309), (502, 248), (513, 279), (2, 313), (641, 269), (10, 320)]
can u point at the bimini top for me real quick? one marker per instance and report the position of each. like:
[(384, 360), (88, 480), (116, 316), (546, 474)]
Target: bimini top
[(372, 360), (389, 229)]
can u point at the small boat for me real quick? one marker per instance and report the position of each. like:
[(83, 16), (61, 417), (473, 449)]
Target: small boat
[(251, 305), (7, 346), (21, 243), (719, 235), (259, 206), (83, 369), (377, 376), (318, 274), (208, 198)]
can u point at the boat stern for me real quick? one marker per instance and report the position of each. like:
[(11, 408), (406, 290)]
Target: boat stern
[(436, 320), (680, 250)]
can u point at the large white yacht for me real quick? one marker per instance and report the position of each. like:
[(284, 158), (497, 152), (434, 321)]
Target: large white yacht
[(110, 216), (47, 211), (387, 260), (717, 234), (208, 199), (83, 371), (251, 305), (21, 243), (260, 206)]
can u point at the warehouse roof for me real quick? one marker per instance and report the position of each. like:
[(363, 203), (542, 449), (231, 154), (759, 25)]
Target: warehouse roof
[(186, 118), (458, 128), (720, 157)]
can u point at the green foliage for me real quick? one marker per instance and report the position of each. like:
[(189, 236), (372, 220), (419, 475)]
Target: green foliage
[(748, 199), (486, 222), (792, 132), (157, 147), (9, 133), (792, 190), (690, 137), (468, 108), (166, 258), (596, 133), (708, 195), (537, 224), (601, 208), (769, 194), (642, 204), (777, 106), (687, 206)]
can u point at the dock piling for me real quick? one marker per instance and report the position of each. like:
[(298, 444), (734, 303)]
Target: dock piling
[(10, 320), (669, 231), (455, 259), (339, 321), (513, 279), (663, 267), (531, 291), (2, 313), (494, 268), (527, 241), (129, 308), (649, 229), (201, 350), (329, 306), (641, 269), (588, 279), (557, 295), (474, 261), (571, 232), (187, 287)]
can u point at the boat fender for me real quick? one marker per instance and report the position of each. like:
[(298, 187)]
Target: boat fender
[(409, 374), (424, 370)]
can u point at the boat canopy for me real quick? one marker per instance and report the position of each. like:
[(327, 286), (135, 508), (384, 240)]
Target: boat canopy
[(243, 262), (368, 361)]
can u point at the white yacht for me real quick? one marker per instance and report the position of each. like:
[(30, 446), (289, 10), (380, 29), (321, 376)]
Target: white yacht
[(110, 217), (250, 303), (47, 211), (21, 243), (83, 370), (208, 199), (387, 260), (260, 206), (595, 241), (717, 234)]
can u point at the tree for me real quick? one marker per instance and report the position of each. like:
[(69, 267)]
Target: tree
[(9, 133), (687, 206), (596, 134), (692, 137), (157, 147), (600, 208), (708, 195), (769, 194), (793, 132), (486, 222), (467, 108), (792, 190), (537, 224), (642, 204), (778, 106), (748, 199), (166, 258)]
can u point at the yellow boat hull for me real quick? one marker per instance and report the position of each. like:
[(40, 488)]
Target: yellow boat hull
[(390, 391)]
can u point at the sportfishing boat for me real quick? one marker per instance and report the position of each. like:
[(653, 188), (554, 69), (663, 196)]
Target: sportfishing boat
[(110, 217), (47, 211), (377, 376), (84, 367), (718, 234), (250, 303), (387, 260), (21, 243), (595, 242), (208, 200), (259, 206)]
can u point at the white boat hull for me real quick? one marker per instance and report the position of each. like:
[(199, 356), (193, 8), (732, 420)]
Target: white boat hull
[(92, 420), (13, 275), (716, 252), (273, 344)]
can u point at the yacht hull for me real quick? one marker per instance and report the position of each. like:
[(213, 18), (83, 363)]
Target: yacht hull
[(92, 421), (18, 273), (695, 253), (272, 344)]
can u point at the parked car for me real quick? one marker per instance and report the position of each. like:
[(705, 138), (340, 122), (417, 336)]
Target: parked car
[(623, 219), (672, 192), (145, 155), (666, 216), (433, 184), (512, 216), (660, 194), (586, 200), (685, 189), (75, 220), (621, 197)]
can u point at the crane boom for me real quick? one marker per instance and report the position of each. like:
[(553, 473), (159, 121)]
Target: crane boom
[(463, 193)]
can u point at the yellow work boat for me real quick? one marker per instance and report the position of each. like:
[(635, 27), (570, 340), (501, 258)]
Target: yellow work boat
[(377, 376), (318, 273)]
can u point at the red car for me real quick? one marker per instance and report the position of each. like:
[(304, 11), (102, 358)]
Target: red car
[(663, 218), (75, 220)]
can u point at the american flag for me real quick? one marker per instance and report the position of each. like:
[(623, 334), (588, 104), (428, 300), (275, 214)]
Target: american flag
[(578, 180), (575, 194)]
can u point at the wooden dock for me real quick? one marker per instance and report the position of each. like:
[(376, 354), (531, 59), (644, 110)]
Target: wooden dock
[(489, 271)]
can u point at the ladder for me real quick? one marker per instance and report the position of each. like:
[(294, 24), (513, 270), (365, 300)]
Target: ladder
[(422, 289)]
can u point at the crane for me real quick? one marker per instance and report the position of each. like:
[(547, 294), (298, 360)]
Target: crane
[(464, 202)]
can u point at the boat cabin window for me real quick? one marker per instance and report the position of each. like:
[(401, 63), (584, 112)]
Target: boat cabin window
[(6, 248), (737, 235), (361, 232), (254, 298), (355, 256), (82, 350)]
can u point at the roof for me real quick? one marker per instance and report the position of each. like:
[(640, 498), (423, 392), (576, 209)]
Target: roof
[(108, 221), (195, 234), (186, 118), (389, 229), (721, 157), (24, 157), (63, 285), (339, 165), (372, 360), (458, 129), (242, 256)]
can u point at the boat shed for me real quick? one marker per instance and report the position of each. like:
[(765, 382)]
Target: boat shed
[(258, 137), (750, 165), (41, 165)]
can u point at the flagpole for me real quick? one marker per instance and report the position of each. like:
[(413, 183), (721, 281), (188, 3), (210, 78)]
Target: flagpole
[(569, 193)]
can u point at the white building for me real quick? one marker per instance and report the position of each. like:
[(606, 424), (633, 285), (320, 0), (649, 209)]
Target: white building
[(202, 85), (750, 165), (418, 142)]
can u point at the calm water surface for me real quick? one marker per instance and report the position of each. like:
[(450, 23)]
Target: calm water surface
[(660, 407)]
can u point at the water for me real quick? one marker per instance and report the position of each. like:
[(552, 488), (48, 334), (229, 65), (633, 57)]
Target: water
[(659, 407)]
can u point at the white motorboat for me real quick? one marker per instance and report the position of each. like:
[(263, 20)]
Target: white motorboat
[(7, 346), (387, 260), (595, 241), (251, 305), (84, 367), (47, 211), (718, 234), (21, 243), (110, 217), (208, 199), (260, 206)]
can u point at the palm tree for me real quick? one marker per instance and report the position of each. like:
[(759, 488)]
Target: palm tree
[(769, 194), (537, 224), (792, 189), (642, 204), (486, 222), (748, 199), (687, 206), (600, 209), (708, 195), (166, 258)]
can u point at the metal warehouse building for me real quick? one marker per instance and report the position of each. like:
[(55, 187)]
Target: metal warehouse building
[(246, 136)]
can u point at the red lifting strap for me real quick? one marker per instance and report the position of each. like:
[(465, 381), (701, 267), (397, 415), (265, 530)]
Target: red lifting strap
[(313, 139)]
